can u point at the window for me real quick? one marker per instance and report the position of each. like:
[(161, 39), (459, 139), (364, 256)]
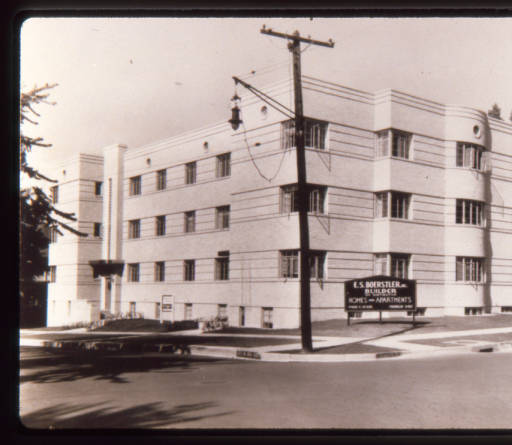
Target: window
[(189, 270), (222, 217), (160, 271), (134, 229), (224, 165), (190, 173), (395, 204), (53, 234), (51, 274), (157, 310), (55, 194), (469, 212), (97, 229), (317, 263), (241, 315), (469, 155), (222, 268), (290, 202), (400, 144), (418, 311), (473, 311), (267, 318), (161, 179), (469, 269), (392, 264), (314, 134), (190, 221), (188, 311), (133, 307), (160, 225), (289, 264), (135, 185), (98, 185), (133, 272), (222, 311)]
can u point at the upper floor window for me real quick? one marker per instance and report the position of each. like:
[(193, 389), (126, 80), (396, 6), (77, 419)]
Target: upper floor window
[(53, 234), (190, 221), (134, 228), (191, 173), (222, 217), (394, 204), (222, 266), (55, 194), (400, 144), (51, 274), (224, 165), (189, 270), (161, 179), (160, 225), (133, 272), (97, 229), (316, 198), (135, 185), (160, 271), (98, 185), (317, 263), (469, 155), (392, 264), (289, 263), (469, 212), (469, 269), (314, 134)]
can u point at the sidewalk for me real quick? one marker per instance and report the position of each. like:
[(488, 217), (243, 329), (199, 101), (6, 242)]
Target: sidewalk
[(381, 341)]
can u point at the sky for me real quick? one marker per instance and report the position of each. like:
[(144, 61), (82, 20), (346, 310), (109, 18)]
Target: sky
[(139, 80)]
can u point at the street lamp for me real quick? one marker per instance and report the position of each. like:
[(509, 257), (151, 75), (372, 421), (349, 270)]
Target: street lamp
[(235, 120)]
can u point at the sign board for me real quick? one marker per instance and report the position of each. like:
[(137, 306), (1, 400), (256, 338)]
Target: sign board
[(380, 293), (167, 301)]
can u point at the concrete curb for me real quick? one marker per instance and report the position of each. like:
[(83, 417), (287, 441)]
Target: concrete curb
[(251, 354)]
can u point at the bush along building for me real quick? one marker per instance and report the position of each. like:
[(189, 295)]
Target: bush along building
[(206, 223)]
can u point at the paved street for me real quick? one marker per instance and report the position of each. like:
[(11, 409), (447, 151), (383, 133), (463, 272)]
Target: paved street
[(156, 391)]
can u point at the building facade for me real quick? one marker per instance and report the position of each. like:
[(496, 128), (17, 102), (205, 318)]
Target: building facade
[(206, 223)]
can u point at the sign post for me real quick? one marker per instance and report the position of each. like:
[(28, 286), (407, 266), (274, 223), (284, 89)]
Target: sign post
[(380, 293)]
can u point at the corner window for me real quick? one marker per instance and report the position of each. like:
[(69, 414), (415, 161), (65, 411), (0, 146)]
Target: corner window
[(469, 212), (161, 179), (190, 221), (160, 271), (135, 185), (190, 173), (469, 269), (316, 199), (393, 141), (54, 191), (394, 204), (314, 134), (133, 272), (469, 155), (392, 264), (289, 263), (317, 264), (134, 229), (160, 225), (98, 185), (189, 270), (223, 165), (222, 217)]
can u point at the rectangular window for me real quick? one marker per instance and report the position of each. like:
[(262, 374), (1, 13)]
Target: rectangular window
[(188, 311), (133, 308), (135, 185), (98, 185), (289, 264), (222, 217), (222, 310), (160, 271), (395, 204), (381, 205), (382, 148), (133, 272), (160, 225), (190, 173), (381, 263), (134, 228), (51, 274), (222, 268), (241, 315), (189, 270), (316, 199), (54, 194), (190, 221), (400, 145), (314, 134), (267, 317), (469, 212), (469, 155), (97, 229), (469, 269), (224, 165), (157, 311), (317, 263), (53, 234), (398, 264), (290, 199), (161, 179)]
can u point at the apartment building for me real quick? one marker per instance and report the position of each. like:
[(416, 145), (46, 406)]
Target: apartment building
[(206, 223)]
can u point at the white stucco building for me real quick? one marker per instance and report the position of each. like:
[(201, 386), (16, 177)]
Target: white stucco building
[(399, 185)]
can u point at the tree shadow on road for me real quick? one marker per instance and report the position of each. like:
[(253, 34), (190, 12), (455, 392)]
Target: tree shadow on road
[(58, 367), (148, 415)]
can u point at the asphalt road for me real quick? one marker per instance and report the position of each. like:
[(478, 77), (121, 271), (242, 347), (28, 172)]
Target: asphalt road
[(154, 391)]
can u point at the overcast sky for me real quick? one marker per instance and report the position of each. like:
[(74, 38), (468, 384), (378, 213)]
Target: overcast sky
[(139, 80)]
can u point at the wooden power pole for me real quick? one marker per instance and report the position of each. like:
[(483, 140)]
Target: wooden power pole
[(302, 186)]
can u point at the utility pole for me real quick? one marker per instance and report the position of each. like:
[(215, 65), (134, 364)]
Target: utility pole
[(302, 186)]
